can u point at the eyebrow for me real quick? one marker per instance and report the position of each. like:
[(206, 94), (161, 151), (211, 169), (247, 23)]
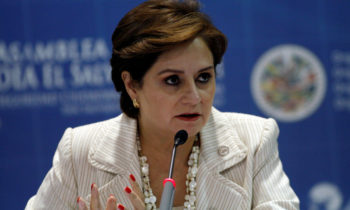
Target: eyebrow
[(182, 71)]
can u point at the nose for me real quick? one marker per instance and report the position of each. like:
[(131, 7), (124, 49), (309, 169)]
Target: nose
[(191, 94)]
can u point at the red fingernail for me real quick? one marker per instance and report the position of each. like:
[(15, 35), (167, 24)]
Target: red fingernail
[(121, 207), (78, 199), (111, 195), (127, 189), (132, 177), (92, 185)]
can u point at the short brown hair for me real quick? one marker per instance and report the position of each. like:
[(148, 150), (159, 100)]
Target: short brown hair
[(151, 28)]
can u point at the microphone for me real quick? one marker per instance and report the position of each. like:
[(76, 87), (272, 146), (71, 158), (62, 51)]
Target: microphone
[(167, 200), (179, 139)]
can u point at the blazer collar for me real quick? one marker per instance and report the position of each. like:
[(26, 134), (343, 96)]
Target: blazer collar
[(221, 147), (116, 152)]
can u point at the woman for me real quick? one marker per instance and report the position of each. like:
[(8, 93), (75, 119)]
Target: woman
[(163, 64)]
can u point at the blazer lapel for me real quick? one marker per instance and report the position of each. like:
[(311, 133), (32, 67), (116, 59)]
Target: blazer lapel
[(221, 148), (116, 153)]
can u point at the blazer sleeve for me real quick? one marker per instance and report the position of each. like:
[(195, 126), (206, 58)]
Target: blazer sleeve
[(271, 188), (58, 190)]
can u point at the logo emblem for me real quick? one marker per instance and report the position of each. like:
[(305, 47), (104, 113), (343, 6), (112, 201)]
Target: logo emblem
[(288, 83)]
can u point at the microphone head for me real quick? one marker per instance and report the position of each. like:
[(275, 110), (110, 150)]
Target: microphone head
[(180, 137)]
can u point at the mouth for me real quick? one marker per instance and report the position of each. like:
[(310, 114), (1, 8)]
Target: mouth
[(188, 116)]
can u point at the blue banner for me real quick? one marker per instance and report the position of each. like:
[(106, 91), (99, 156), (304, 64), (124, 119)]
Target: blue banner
[(289, 60)]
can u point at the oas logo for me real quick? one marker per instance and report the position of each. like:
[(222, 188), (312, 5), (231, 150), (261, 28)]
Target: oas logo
[(288, 83)]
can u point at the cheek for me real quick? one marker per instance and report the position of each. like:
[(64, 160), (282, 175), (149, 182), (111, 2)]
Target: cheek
[(156, 102), (207, 101), (208, 94)]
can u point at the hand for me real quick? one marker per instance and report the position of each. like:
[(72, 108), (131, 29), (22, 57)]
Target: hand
[(95, 201), (134, 194)]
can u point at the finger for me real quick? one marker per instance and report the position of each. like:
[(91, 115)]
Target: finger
[(111, 203), (81, 204), (135, 187), (95, 198), (135, 199)]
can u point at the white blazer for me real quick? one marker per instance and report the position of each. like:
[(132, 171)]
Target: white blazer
[(239, 165)]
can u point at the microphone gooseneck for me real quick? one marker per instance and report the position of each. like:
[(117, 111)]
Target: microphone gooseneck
[(179, 139), (167, 199)]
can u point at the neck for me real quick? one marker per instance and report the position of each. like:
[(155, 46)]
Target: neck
[(157, 149), (159, 145)]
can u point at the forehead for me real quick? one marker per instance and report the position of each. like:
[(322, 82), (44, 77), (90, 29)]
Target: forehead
[(192, 54)]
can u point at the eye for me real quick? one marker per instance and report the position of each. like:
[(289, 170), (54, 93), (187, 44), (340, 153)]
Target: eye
[(172, 80), (204, 77)]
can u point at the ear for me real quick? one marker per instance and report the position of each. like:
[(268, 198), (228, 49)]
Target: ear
[(129, 84)]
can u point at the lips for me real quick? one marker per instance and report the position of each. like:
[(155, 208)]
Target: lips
[(188, 116)]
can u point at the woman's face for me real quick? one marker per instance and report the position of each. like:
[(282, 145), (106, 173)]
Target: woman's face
[(178, 90)]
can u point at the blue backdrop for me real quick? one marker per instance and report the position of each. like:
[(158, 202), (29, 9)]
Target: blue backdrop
[(289, 60)]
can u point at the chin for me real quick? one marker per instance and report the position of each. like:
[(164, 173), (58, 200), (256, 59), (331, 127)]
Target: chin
[(192, 128), (193, 131)]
